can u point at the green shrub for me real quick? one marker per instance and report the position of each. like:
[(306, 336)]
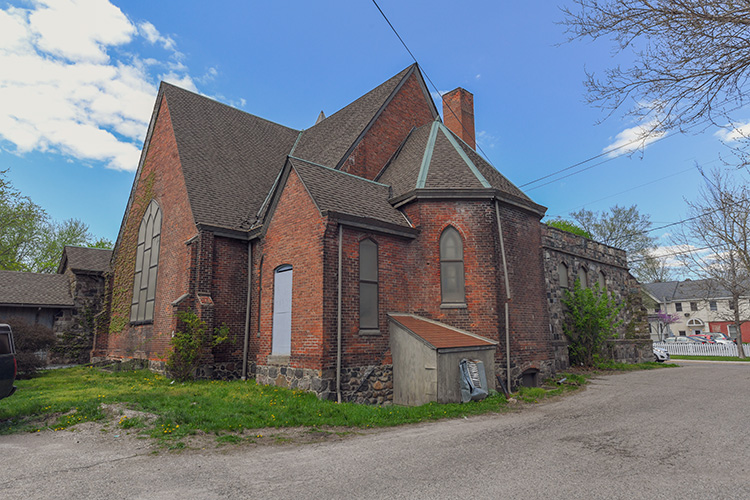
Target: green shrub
[(190, 343), (590, 319), (32, 343)]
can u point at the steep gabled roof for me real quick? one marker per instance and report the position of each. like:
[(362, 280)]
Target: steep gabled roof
[(342, 193), (85, 259), (229, 158), (34, 289), (329, 141), (433, 157)]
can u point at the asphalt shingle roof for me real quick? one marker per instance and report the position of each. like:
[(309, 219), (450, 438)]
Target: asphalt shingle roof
[(686, 290), (20, 288), (230, 158), (449, 162), (87, 259), (336, 191), (327, 142)]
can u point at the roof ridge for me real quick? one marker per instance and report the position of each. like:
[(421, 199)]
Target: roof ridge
[(216, 101), (474, 170)]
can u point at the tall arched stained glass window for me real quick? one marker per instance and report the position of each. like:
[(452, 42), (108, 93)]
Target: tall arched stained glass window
[(146, 264), (452, 267)]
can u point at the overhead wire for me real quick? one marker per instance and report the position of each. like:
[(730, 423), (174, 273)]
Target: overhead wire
[(603, 153)]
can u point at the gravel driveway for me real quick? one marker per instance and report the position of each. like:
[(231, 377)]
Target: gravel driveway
[(672, 433)]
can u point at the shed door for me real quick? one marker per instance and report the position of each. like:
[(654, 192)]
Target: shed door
[(282, 311)]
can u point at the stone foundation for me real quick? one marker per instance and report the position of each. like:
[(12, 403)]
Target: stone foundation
[(320, 382), (630, 350), (544, 369), (367, 384), (222, 371)]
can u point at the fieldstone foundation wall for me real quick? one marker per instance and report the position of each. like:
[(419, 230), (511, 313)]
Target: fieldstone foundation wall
[(221, 371), (367, 384), (321, 382)]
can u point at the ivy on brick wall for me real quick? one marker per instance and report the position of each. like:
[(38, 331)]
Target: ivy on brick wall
[(122, 288)]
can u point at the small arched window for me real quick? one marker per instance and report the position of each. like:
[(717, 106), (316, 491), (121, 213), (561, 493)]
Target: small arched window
[(368, 285), (582, 277), (146, 265), (562, 273), (452, 267), (602, 280)]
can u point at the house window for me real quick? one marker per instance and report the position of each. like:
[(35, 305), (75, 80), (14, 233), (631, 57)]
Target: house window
[(562, 273), (452, 267), (731, 305), (712, 305), (582, 277), (693, 306), (146, 264), (678, 306), (602, 280), (683, 333), (368, 285)]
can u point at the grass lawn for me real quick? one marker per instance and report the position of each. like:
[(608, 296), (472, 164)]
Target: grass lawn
[(711, 358), (59, 399)]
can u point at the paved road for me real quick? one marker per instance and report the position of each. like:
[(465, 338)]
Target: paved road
[(674, 433)]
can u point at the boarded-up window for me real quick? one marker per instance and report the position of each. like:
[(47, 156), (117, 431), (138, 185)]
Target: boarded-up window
[(368, 285), (452, 267), (562, 273), (582, 277), (146, 265)]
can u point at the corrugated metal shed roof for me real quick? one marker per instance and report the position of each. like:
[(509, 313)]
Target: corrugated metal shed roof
[(438, 335)]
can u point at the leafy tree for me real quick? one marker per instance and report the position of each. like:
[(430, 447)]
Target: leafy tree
[(590, 319), (654, 269), (20, 222), (691, 58), (29, 239), (620, 227), (568, 226)]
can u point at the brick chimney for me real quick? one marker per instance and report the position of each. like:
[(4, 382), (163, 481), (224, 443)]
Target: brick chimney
[(461, 120)]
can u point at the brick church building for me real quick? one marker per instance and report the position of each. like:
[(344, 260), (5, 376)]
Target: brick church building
[(317, 247)]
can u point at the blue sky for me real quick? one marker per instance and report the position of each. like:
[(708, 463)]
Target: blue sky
[(79, 79)]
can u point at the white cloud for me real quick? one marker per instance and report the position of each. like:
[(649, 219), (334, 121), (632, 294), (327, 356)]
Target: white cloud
[(66, 86), (486, 139), (634, 138), (150, 33), (734, 132)]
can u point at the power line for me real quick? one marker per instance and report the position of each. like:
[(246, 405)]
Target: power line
[(424, 73)]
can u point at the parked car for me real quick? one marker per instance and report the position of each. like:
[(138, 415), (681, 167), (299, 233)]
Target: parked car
[(660, 355), (8, 366), (681, 340), (701, 339)]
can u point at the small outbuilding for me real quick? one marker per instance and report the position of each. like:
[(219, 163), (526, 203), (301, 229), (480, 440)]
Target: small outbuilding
[(426, 359)]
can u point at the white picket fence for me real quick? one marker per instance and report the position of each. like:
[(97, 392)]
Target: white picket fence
[(693, 349)]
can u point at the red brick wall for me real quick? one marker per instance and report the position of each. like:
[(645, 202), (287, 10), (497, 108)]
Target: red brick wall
[(229, 294), (161, 179), (407, 109), (393, 269), (295, 237)]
